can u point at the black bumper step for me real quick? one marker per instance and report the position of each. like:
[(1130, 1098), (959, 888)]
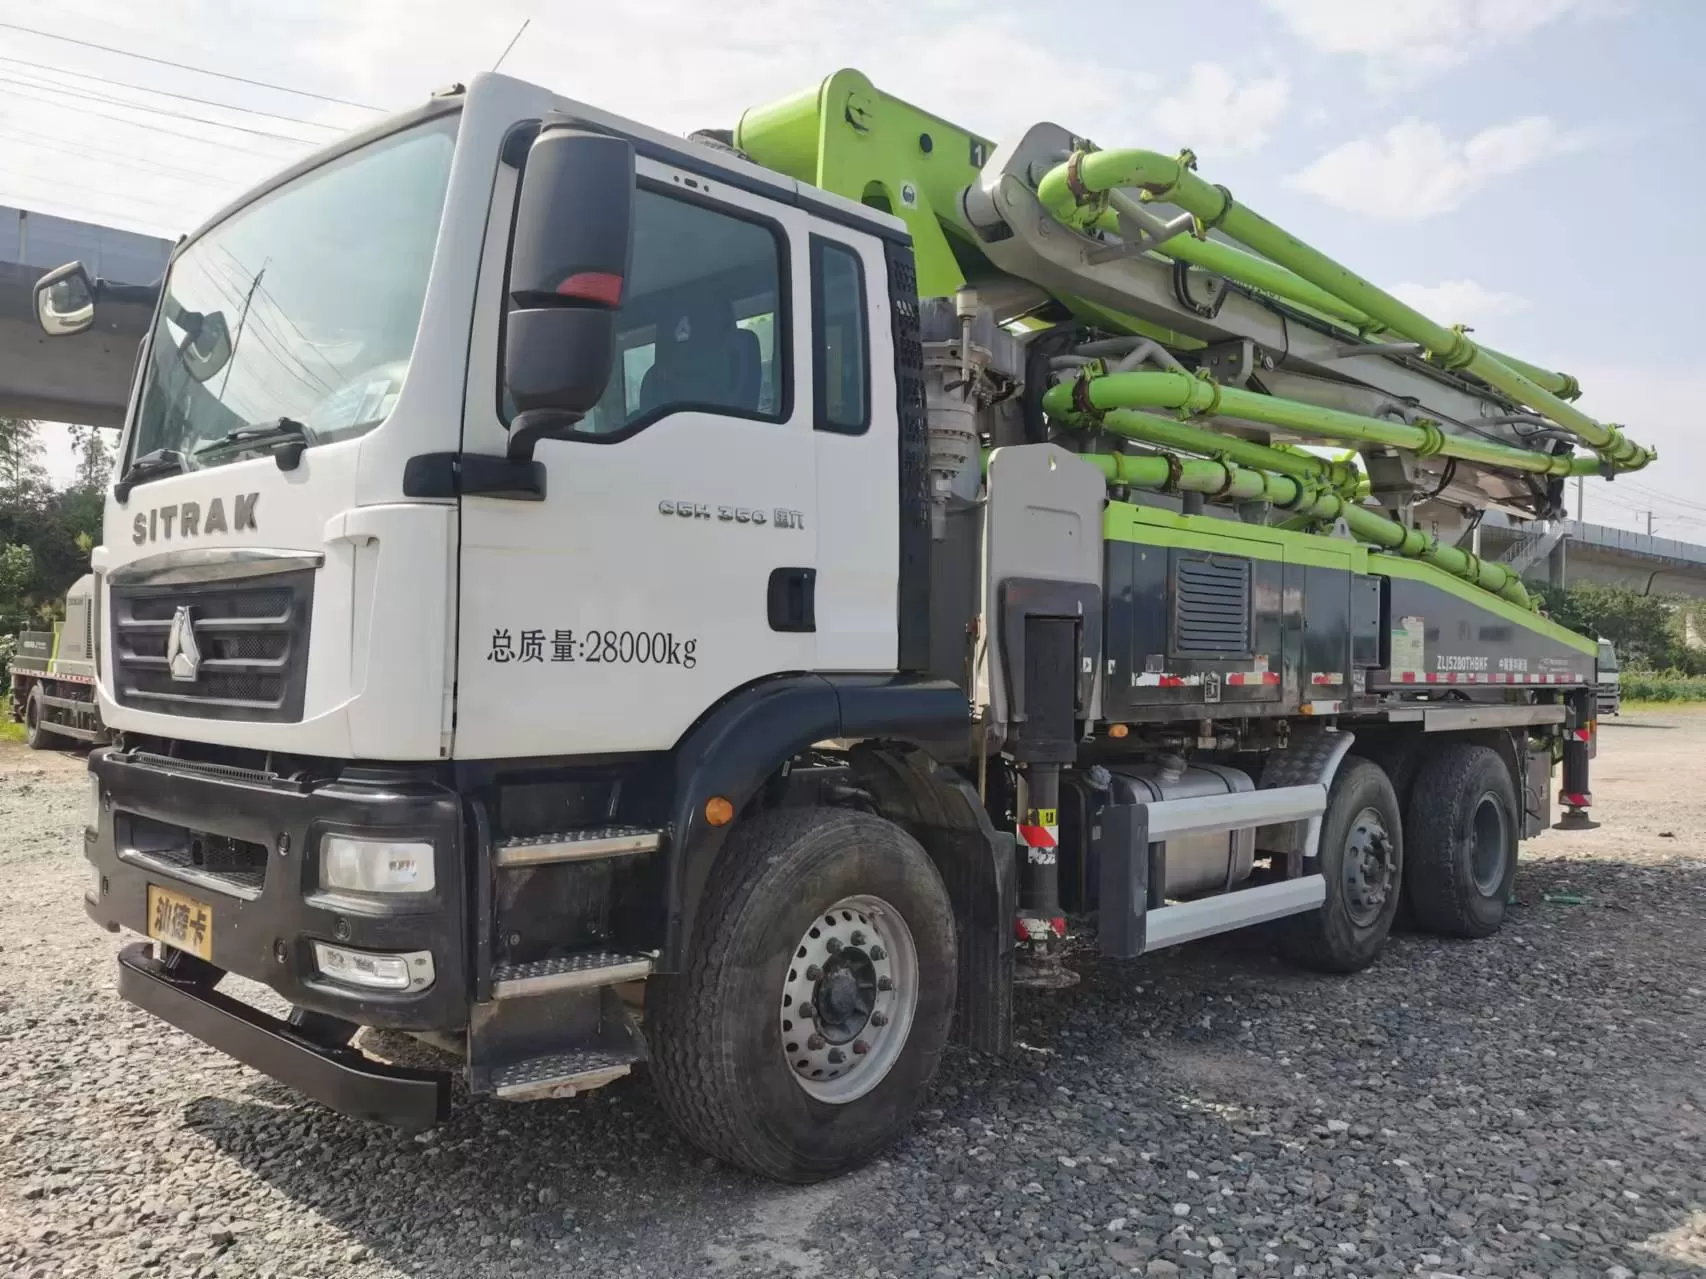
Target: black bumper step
[(582, 971), (341, 1078)]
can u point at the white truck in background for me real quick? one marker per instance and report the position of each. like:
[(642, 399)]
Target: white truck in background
[(53, 677)]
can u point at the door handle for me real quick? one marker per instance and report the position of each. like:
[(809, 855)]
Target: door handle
[(793, 599)]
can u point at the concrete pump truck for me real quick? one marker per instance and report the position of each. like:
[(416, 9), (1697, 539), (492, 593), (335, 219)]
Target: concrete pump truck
[(743, 604)]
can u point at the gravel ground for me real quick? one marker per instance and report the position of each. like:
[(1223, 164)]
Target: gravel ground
[(1531, 1105)]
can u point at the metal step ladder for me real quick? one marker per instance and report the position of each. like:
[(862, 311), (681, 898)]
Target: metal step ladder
[(556, 1027)]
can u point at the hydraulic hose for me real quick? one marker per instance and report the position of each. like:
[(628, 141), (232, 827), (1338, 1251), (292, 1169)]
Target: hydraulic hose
[(1076, 192)]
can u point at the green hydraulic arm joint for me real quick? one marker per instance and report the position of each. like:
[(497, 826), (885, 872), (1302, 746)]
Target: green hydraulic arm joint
[(1198, 396), (1076, 192)]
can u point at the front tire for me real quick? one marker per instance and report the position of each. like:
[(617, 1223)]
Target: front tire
[(1463, 833), (839, 912), (37, 736), (1361, 856)]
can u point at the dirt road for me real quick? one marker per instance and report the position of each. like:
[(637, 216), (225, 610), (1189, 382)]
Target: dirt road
[(1530, 1105)]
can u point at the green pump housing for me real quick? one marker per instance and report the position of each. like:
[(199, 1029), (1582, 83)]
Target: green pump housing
[(1193, 349)]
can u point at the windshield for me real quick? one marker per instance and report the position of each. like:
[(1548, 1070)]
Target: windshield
[(302, 306), (1607, 656)]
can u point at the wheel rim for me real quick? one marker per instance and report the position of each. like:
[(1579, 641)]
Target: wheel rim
[(1491, 845), (1370, 867), (848, 999)]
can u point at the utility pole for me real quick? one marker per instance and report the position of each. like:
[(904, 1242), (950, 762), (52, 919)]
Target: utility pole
[(1578, 499)]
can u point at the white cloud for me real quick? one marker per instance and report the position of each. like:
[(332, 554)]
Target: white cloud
[(1413, 171), (1217, 114), (1458, 301), (1403, 42)]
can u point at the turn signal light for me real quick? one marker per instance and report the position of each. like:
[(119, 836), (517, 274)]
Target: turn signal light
[(718, 811)]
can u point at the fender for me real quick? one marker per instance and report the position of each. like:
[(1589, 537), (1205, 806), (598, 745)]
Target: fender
[(743, 741)]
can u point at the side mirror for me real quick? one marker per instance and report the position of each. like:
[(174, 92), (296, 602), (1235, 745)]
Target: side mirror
[(569, 261), (65, 300)]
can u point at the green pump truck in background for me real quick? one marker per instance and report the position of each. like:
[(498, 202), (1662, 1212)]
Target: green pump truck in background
[(53, 677)]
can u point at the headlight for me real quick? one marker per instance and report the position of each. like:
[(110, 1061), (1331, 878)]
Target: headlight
[(412, 970), (92, 815), (375, 865)]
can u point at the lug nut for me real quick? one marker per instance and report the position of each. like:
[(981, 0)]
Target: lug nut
[(858, 938), (815, 1042), (877, 952), (879, 1020), (807, 1013), (860, 1047), (836, 1056), (833, 945), (814, 973), (885, 983)]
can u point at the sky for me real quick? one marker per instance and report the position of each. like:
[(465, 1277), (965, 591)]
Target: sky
[(1532, 168)]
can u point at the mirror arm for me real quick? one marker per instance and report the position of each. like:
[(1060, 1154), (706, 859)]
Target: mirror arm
[(147, 295), (533, 425)]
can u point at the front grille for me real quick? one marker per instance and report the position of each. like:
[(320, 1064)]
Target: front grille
[(251, 638), (1211, 612)]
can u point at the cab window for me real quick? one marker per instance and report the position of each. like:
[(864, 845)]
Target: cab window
[(703, 321)]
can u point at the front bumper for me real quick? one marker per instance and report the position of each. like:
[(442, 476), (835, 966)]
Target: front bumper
[(246, 845), (341, 1078)]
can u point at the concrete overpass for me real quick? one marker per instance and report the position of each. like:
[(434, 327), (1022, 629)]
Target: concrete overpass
[(1565, 552), (83, 379)]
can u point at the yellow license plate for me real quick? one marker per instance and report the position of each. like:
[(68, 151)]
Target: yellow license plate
[(180, 921)]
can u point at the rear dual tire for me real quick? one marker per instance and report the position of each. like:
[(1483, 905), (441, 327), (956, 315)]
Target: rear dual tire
[(1464, 823)]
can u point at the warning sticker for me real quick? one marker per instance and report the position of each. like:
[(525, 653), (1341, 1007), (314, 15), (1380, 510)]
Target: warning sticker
[(1409, 649)]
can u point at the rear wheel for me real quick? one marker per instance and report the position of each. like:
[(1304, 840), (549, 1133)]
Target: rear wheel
[(1361, 857), (1463, 826), (812, 1011)]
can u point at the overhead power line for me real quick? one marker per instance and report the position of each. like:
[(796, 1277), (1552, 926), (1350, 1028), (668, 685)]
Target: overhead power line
[(66, 147), (158, 128), (164, 93), (184, 66), (87, 96)]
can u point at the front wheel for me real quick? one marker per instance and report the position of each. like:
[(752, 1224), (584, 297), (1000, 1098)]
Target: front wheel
[(37, 735), (814, 1004)]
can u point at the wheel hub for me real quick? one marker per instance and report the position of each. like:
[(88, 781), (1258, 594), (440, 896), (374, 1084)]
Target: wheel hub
[(848, 999), (1370, 867)]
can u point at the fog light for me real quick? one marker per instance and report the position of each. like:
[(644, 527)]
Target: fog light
[(375, 865), (409, 971), (92, 815)]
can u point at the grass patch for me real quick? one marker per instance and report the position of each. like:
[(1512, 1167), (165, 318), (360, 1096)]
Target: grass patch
[(10, 730), (1662, 687)]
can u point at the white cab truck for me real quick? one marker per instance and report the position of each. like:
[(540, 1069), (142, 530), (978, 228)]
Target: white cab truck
[(53, 677), (590, 598)]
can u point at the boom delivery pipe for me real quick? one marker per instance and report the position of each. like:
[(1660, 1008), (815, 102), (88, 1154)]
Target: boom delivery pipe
[(1195, 396), (1226, 481), (1076, 193)]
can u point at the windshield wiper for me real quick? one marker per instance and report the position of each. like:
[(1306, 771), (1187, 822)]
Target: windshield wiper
[(150, 466), (287, 433)]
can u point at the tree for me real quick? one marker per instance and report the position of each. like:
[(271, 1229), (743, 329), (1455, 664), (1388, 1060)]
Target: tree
[(23, 478), (1646, 630), (94, 457), (17, 568)]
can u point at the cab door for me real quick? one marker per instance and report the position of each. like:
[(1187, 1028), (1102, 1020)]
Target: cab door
[(673, 557)]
